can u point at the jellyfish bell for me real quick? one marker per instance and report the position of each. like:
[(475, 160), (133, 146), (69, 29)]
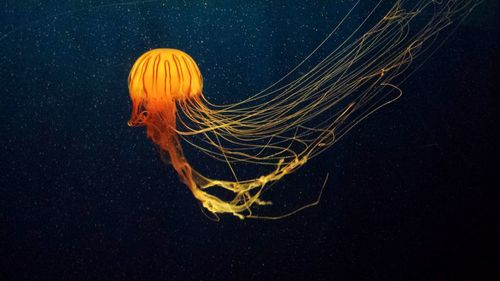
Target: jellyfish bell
[(165, 73), (158, 80)]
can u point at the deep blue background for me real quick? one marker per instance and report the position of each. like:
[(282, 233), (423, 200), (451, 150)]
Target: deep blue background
[(84, 197)]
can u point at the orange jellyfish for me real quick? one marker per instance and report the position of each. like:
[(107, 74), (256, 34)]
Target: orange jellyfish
[(160, 80), (292, 121)]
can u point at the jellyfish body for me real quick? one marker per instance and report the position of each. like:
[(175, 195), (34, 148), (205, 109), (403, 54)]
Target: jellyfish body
[(159, 81)]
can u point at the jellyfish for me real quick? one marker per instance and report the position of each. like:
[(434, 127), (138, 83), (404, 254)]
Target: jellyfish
[(159, 81), (281, 128)]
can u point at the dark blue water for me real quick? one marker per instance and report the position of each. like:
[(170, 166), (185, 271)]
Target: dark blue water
[(84, 197)]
